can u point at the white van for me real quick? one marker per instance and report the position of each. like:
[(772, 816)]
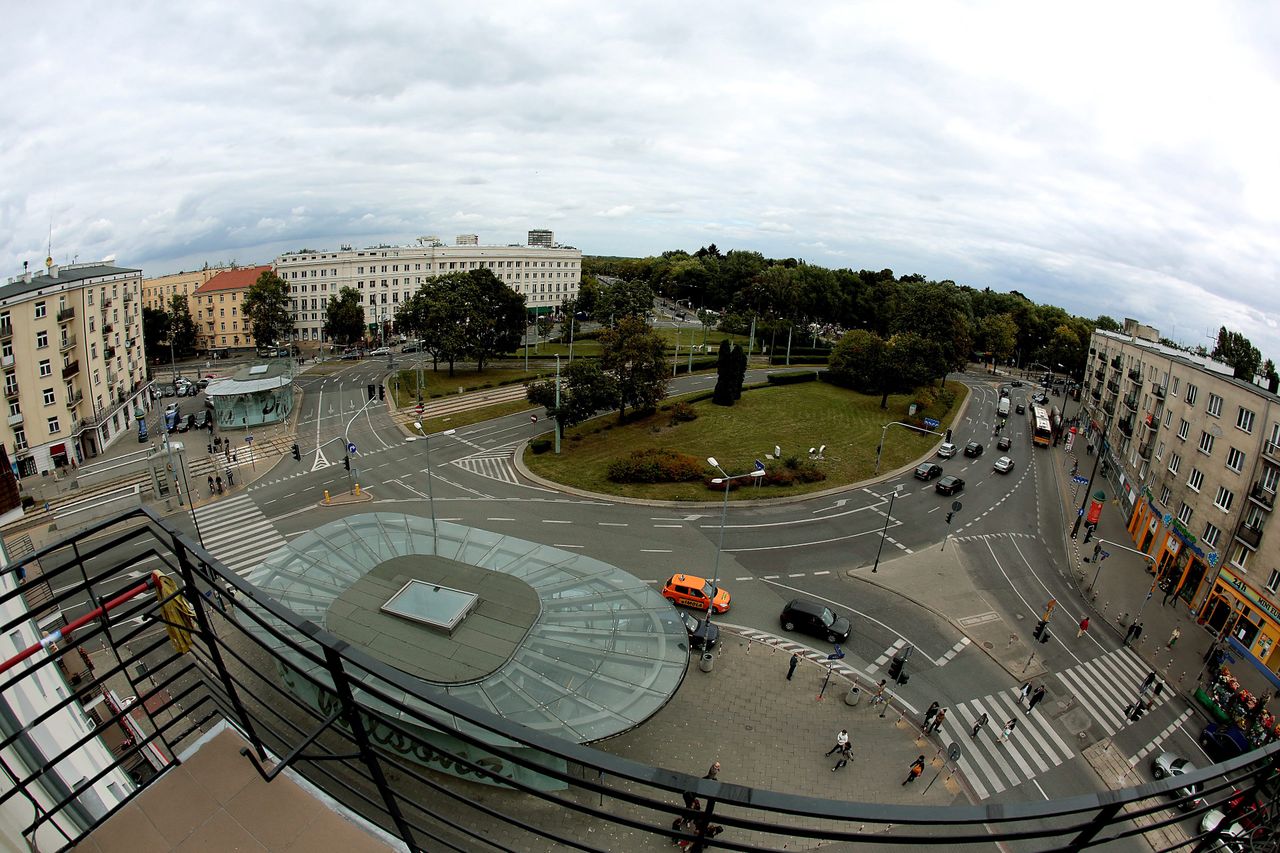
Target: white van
[(1003, 407)]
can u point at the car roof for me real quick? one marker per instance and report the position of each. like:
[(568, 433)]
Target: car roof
[(951, 477), (687, 580), (805, 604)]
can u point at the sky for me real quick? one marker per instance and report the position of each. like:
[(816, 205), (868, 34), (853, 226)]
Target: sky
[(1111, 158)]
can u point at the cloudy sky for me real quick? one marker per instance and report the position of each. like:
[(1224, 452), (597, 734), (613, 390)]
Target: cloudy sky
[(1116, 158)]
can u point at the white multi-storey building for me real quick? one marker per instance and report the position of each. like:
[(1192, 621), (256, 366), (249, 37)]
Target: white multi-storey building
[(385, 276)]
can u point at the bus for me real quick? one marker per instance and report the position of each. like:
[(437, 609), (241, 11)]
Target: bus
[(1003, 407), (1041, 427)]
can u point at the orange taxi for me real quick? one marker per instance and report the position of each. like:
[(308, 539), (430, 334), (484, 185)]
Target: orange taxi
[(693, 591)]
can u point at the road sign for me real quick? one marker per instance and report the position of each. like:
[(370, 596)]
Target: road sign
[(953, 753), (1079, 480), (837, 654), (931, 423), (420, 408), (1080, 511), (956, 506), (248, 439), (351, 447), (759, 465)]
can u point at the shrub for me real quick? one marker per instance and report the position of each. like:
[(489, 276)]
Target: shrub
[(797, 359), (540, 445), (656, 466), (682, 412)]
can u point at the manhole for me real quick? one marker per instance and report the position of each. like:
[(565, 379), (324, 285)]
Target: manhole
[(1082, 736), (988, 645), (749, 728)]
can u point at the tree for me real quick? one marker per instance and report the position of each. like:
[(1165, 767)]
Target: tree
[(739, 359), (998, 335), (623, 299), (344, 316), (859, 361), (182, 329), (267, 309), (155, 331), (633, 354), (1238, 351), (1106, 323), (723, 393), (584, 390), (495, 316), (443, 318)]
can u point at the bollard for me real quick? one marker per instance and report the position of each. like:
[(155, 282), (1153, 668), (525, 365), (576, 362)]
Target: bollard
[(357, 492), (326, 496)]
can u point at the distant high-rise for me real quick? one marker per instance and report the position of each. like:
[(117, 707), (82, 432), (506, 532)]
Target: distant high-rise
[(467, 240), (542, 237)]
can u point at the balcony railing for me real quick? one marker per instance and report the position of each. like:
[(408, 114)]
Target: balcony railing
[(112, 376), (6, 361), (71, 369), (11, 392), (74, 400), (243, 668), (1102, 355), (1100, 374), (1158, 391), (1132, 402), (1271, 452), (106, 303), (15, 419), (1250, 536), (6, 330), (1262, 497), (1145, 450), (128, 297), (1126, 426), (1113, 386), (108, 352), (1152, 421), (1096, 392), (1135, 375), (108, 328), (66, 314), (69, 342), (1109, 407), (128, 343), (1117, 362), (128, 319)]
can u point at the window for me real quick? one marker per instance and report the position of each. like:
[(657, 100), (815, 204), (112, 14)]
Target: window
[(19, 439), (1235, 460), (40, 310), (1192, 392), (1196, 480), (42, 339), (1160, 451), (1183, 429), (1175, 462), (1206, 443), (49, 399), (1244, 420), (1273, 581), (53, 425), (1173, 392), (1168, 418), (1211, 535), (1184, 513), (46, 369), (1224, 499), (1215, 405), (1239, 556)]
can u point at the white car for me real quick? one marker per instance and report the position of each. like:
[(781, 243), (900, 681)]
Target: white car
[(1004, 465), (947, 450), (380, 351), (1168, 764)]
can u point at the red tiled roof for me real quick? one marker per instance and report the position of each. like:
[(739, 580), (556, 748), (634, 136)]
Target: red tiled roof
[(236, 279)]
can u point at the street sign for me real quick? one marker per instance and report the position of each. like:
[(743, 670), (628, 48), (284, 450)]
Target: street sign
[(956, 506), (1080, 511), (248, 439), (759, 465), (420, 408), (351, 447), (837, 654), (1079, 480), (953, 753), (931, 423)]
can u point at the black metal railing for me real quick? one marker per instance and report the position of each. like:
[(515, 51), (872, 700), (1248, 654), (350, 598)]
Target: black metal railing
[(243, 669), (1249, 535), (1266, 497)]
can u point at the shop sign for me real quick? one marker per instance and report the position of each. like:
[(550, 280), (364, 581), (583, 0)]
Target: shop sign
[(1253, 598), (1180, 530)]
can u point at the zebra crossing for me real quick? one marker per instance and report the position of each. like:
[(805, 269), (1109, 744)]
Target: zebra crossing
[(237, 533), (494, 463), (1102, 686)]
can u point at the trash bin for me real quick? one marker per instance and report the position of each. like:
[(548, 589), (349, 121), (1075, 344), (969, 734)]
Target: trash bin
[(853, 697), (707, 661)]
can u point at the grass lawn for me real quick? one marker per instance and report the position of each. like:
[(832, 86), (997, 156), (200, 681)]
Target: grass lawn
[(473, 416), (404, 386), (591, 347), (794, 417)]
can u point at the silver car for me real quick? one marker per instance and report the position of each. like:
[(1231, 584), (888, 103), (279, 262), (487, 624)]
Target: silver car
[(1167, 765)]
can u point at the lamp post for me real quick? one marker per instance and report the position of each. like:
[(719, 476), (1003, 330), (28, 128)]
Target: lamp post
[(724, 514), (885, 429), (430, 500)]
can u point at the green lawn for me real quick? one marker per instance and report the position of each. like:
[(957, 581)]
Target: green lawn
[(794, 417), (474, 416), (591, 347), (404, 385)]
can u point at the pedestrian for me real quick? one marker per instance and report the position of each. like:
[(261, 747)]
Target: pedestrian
[(1169, 592), (917, 767), (231, 479), (1131, 634), (1084, 626), (1147, 682), (714, 771), (1173, 638), (928, 714), (1023, 692), (211, 484), (1156, 690), (219, 481), (1009, 726), (1035, 698), (791, 667), (841, 739), (937, 721), (977, 726), (846, 753)]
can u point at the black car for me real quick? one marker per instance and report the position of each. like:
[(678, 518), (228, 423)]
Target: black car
[(410, 348), (1020, 409), (949, 485), (1223, 742), (701, 635), (928, 471), (973, 449), (812, 618), (201, 419), (1004, 443), (1017, 383)]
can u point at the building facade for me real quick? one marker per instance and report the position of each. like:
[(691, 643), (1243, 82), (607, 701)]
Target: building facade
[(385, 276), (542, 237), (158, 293), (1195, 456), (73, 363), (217, 306)]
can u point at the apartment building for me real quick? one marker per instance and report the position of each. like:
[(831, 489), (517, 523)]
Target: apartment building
[(217, 307), (1195, 454), (542, 237), (385, 276), (73, 362), (158, 293)]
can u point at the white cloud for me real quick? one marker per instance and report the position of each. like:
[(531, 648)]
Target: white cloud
[(616, 211)]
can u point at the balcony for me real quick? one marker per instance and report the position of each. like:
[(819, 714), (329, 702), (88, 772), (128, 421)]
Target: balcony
[(1145, 450), (112, 376), (128, 319), (1250, 536), (108, 352), (1096, 392), (1100, 374), (11, 392), (1135, 375), (106, 303), (1102, 355), (15, 419), (128, 297), (6, 330), (68, 343), (128, 343), (66, 314), (1152, 421), (1109, 407), (1126, 426), (1158, 391), (1262, 497), (74, 400), (1113, 386), (6, 360), (1131, 402), (1271, 452), (1116, 362), (108, 328), (71, 369)]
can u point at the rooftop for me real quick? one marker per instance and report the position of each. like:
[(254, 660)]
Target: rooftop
[(239, 278), (61, 275)]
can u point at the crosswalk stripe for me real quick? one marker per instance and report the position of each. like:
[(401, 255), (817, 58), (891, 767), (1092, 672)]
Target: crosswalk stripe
[(1017, 744), (997, 749), (976, 755), (237, 533), (1085, 699), (1110, 696)]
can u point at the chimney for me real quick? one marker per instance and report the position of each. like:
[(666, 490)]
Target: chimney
[(53, 270)]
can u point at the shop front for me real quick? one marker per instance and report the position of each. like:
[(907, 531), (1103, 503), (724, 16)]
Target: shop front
[(1180, 561), (1236, 611)]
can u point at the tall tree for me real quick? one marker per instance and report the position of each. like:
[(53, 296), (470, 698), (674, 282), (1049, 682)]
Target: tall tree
[(584, 390), (344, 316), (723, 393), (1238, 351), (443, 318), (266, 307), (739, 365), (182, 329), (623, 299), (155, 332), (495, 316), (1106, 323), (633, 354)]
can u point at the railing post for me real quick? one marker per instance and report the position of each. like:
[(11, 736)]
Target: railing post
[(215, 654), (351, 712)]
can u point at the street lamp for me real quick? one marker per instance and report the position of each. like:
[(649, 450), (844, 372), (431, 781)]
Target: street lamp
[(430, 501), (724, 514)]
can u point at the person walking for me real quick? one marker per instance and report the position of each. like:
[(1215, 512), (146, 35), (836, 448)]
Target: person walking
[(791, 667), (1147, 682), (1009, 726), (937, 721), (1084, 626), (1035, 698), (842, 738), (1169, 592), (917, 767), (211, 485), (231, 478), (1023, 692), (1173, 638), (714, 771), (1156, 690), (218, 479), (977, 726), (846, 753), (928, 714), (1134, 632)]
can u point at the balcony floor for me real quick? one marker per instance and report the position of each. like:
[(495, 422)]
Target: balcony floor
[(216, 802)]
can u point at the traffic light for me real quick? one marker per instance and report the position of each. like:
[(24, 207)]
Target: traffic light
[(1040, 630), (1044, 635), (370, 390), (346, 462), (949, 517), (297, 454), (895, 668), (382, 392), (1088, 533)]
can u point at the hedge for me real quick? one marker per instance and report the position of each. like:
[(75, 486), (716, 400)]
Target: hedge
[(792, 378)]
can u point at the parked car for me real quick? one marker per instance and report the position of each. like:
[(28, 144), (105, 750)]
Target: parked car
[(809, 617), (351, 355), (1170, 765), (410, 348), (928, 471), (693, 591), (949, 485), (1223, 741), (947, 450), (201, 420), (973, 449), (380, 351), (1004, 465), (1020, 409), (1254, 818), (1017, 383), (701, 634), (1004, 443)]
